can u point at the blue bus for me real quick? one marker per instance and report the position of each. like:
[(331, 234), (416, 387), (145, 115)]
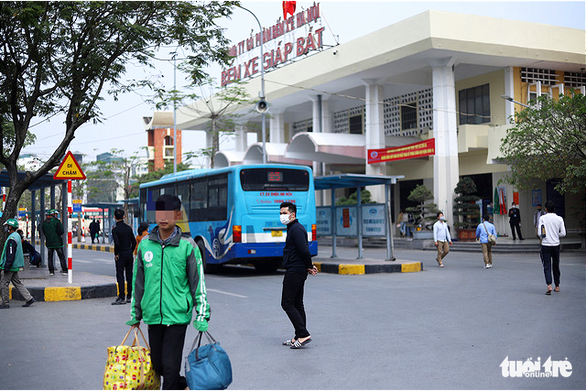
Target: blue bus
[(232, 213)]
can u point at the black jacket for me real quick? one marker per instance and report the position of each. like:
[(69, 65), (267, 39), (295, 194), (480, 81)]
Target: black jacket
[(296, 255), (124, 239)]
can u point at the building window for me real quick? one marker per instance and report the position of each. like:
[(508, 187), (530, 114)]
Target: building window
[(475, 105), (409, 116), (355, 124), (168, 140)]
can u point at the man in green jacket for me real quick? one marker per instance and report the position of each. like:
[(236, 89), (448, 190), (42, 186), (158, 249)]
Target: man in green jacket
[(11, 261), (53, 231), (168, 283)]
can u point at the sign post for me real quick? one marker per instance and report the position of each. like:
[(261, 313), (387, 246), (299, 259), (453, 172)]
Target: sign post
[(69, 169)]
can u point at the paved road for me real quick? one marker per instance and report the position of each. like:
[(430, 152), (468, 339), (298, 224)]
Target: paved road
[(437, 329)]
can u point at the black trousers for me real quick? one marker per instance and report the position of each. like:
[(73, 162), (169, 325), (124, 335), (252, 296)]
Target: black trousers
[(61, 256), (292, 301), (550, 258), (166, 353), (515, 226), (124, 264)]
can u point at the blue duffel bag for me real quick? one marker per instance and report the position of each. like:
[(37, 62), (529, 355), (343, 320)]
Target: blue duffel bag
[(208, 367)]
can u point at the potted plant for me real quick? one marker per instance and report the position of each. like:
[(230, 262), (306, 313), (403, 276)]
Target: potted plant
[(466, 210), (424, 214)]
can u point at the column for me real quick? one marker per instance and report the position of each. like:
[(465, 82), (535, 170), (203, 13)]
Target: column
[(277, 126), (446, 169), (510, 91), (375, 133), (240, 130), (209, 143)]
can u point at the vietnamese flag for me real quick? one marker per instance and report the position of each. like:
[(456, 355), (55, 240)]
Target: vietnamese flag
[(288, 8)]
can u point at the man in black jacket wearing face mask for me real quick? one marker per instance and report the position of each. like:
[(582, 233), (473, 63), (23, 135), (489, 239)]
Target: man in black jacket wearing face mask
[(297, 262)]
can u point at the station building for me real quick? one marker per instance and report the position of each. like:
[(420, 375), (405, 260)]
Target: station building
[(432, 83)]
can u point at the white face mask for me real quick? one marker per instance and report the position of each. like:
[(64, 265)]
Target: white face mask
[(442, 218), (285, 219)]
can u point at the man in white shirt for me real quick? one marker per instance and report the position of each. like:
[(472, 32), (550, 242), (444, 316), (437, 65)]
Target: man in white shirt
[(551, 229), (442, 238)]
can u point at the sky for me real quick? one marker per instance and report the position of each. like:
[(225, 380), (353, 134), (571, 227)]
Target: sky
[(122, 127)]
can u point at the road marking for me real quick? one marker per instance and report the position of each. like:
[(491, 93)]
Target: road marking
[(227, 293)]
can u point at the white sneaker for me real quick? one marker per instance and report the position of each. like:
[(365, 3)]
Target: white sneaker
[(486, 266), (490, 265)]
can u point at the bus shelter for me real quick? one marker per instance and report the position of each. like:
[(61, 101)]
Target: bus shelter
[(358, 181), (40, 185)]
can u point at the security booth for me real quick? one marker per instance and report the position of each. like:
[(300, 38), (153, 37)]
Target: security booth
[(44, 182), (356, 220)]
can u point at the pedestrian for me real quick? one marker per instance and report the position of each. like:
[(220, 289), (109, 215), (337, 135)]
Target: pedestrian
[(124, 245), (538, 213), (515, 221), (442, 238), (143, 230), (297, 264), (53, 231), (34, 255), (490, 210), (482, 231), (552, 228), (94, 230), (401, 222), (406, 222), (164, 282), (11, 261)]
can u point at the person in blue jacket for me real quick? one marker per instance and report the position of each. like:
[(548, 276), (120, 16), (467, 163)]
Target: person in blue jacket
[(482, 231), (11, 261), (297, 263)]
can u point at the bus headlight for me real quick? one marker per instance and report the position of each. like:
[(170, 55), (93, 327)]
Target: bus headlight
[(237, 233)]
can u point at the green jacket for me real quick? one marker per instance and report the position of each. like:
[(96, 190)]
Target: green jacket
[(53, 231), (168, 282), (16, 260)]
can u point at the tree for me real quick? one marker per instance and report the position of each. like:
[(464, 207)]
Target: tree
[(155, 175), (466, 205), (425, 212), (219, 109), (353, 199), (57, 58), (549, 141)]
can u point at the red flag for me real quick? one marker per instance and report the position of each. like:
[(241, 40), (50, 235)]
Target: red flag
[(288, 8)]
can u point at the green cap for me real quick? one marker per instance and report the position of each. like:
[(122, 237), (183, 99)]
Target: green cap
[(12, 222)]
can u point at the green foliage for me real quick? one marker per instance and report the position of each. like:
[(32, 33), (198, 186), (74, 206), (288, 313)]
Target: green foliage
[(217, 110), (155, 175), (353, 199), (466, 206), (549, 141), (426, 212), (56, 57)]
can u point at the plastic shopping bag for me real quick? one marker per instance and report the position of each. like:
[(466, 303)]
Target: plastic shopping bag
[(130, 367)]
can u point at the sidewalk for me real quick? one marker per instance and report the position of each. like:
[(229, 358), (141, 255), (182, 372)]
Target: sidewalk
[(89, 285)]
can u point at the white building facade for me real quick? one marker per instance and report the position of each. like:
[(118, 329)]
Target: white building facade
[(436, 75)]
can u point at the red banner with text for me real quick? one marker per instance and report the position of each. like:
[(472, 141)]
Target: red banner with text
[(411, 151)]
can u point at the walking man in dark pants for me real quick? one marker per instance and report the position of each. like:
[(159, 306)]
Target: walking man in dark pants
[(297, 263), (53, 231), (124, 244), (551, 229)]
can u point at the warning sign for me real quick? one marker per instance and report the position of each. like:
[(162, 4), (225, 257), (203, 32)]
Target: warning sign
[(69, 169)]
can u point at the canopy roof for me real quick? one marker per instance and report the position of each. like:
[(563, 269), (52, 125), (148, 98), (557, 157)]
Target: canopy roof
[(353, 180), (41, 183)]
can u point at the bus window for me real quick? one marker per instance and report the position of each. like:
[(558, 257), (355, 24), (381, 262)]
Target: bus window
[(199, 199), (183, 194), (260, 179), (217, 198)]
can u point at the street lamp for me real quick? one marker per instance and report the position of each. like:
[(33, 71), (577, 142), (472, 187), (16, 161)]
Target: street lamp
[(262, 105), (507, 97)]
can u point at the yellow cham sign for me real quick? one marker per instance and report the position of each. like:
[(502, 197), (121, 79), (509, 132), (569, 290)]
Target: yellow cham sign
[(69, 169)]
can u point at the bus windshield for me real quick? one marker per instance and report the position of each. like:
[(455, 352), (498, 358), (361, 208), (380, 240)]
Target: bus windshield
[(259, 179)]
